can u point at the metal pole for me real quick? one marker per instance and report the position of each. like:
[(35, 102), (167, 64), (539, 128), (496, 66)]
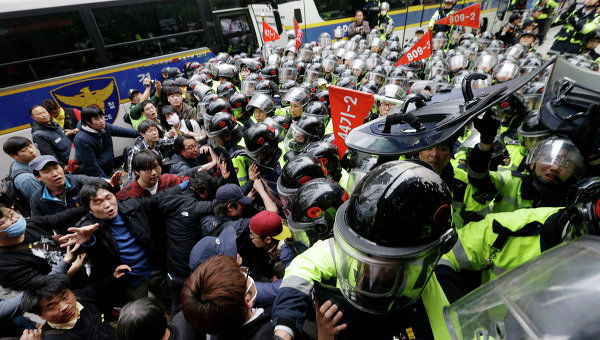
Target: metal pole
[(405, 22), (388, 100), (262, 16)]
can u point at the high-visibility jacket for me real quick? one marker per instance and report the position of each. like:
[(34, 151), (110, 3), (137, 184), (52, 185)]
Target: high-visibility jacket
[(500, 242), (316, 265)]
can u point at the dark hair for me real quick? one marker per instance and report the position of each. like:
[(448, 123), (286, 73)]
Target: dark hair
[(144, 160), (145, 125), (358, 10), (89, 112), (89, 191), (204, 182), (212, 299), (50, 104), (168, 109), (178, 144), (33, 107), (169, 90), (143, 319), (43, 287), (514, 17), (146, 102), (220, 208), (13, 145)]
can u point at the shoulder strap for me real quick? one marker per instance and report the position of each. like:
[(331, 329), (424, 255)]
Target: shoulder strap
[(20, 171), (530, 229), (189, 125)]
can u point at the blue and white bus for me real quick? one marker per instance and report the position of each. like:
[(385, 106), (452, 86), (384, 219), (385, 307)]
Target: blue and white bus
[(317, 16), (83, 52)]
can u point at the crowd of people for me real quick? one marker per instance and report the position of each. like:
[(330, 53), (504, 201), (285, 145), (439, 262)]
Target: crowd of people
[(233, 215)]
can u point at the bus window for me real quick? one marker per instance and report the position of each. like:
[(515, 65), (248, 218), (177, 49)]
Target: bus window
[(334, 9), (44, 46), (150, 29)]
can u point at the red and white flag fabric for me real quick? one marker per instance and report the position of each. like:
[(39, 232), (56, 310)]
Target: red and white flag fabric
[(420, 50), (298, 33), (349, 108), (468, 16), (269, 34)]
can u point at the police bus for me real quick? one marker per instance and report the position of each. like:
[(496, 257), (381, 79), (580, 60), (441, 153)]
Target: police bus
[(317, 16), (88, 52)]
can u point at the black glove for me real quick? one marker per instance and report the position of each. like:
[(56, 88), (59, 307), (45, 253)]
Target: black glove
[(573, 20), (579, 25), (487, 126), (584, 136)]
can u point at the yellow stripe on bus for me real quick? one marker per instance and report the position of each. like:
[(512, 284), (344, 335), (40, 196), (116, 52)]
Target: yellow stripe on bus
[(95, 74)]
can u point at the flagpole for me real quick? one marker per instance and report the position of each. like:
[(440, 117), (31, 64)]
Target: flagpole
[(263, 29)]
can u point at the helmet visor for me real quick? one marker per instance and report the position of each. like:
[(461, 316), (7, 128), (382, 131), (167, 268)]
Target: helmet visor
[(305, 55), (506, 71), (297, 139), (380, 285), (247, 87), (439, 43), (328, 65), (287, 74), (312, 75), (324, 41), (379, 78), (485, 63), (560, 155), (458, 62)]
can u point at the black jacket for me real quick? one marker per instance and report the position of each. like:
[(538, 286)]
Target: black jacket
[(18, 266), (42, 205), (183, 212), (90, 325), (51, 140)]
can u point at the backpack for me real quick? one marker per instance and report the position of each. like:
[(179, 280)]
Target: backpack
[(9, 191)]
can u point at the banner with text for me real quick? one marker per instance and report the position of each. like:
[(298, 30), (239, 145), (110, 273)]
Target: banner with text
[(298, 33), (349, 108), (420, 50), (269, 33), (468, 17)]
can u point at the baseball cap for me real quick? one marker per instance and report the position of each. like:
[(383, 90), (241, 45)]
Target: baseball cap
[(174, 72), (40, 162), (267, 223), (132, 92), (210, 246), (232, 193)]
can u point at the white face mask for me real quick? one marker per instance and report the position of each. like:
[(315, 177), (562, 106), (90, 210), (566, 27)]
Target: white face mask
[(173, 120)]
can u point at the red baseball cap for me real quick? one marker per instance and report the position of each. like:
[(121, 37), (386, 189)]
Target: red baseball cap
[(267, 223)]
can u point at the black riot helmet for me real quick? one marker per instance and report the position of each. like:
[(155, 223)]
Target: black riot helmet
[(218, 105), (327, 153), (318, 110), (269, 72), (238, 103), (303, 132), (531, 132), (347, 82), (312, 210), (261, 144), (321, 96), (513, 107), (297, 172), (583, 208), (222, 124), (267, 87), (225, 90), (390, 235)]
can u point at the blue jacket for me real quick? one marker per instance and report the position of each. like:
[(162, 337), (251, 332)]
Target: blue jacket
[(95, 150), (51, 140), (44, 203)]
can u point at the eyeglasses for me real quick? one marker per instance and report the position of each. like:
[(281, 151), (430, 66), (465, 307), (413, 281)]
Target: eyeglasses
[(387, 104), (192, 147), (12, 218), (254, 237), (156, 167)]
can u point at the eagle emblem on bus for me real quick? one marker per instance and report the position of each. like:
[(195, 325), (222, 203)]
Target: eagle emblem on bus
[(102, 92)]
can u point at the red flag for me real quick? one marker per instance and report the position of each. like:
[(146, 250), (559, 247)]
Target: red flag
[(420, 50), (349, 108), (468, 16), (269, 34), (299, 34)]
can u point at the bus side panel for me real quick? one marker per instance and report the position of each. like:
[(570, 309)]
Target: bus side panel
[(106, 88)]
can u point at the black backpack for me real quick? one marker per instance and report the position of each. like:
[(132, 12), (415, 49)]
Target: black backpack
[(9, 191)]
